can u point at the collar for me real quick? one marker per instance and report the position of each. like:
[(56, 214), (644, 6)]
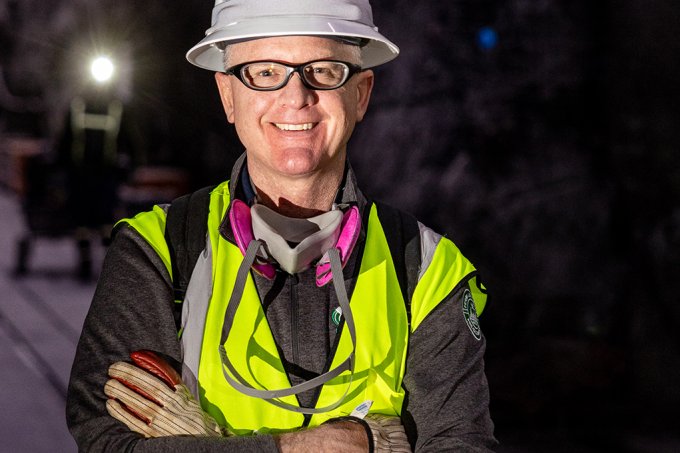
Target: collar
[(240, 187)]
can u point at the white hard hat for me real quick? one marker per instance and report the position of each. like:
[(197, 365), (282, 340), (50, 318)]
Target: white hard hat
[(241, 20)]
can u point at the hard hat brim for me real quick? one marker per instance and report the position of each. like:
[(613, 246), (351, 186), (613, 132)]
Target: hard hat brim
[(206, 54)]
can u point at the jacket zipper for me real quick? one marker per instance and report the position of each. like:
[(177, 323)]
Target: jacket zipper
[(295, 344)]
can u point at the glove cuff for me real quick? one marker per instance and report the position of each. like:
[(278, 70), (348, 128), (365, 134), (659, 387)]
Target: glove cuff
[(362, 422)]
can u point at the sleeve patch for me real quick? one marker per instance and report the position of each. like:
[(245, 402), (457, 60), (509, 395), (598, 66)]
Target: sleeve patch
[(470, 314)]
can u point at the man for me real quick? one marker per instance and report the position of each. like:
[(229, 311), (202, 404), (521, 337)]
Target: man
[(314, 319)]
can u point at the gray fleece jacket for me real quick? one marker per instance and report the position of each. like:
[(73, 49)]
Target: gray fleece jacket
[(447, 402)]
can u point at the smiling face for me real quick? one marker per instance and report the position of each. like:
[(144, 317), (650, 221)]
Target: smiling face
[(294, 132)]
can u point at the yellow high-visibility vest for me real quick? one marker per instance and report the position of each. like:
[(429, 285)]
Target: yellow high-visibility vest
[(378, 308)]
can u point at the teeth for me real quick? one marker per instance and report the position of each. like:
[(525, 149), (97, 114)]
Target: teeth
[(295, 127)]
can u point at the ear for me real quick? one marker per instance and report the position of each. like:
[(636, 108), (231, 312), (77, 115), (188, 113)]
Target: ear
[(226, 94), (364, 87)]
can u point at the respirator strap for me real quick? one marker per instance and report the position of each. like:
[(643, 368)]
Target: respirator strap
[(240, 384)]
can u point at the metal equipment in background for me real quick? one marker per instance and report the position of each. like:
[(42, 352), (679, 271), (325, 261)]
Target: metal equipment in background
[(81, 184)]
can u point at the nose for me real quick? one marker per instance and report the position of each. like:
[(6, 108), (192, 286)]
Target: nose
[(295, 94)]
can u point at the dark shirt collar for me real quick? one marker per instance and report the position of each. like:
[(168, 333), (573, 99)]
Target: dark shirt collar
[(249, 194), (240, 187)]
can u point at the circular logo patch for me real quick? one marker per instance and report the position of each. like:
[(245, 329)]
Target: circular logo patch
[(336, 316), (470, 314)]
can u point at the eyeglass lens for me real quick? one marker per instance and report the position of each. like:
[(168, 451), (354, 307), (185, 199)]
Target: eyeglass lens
[(318, 74)]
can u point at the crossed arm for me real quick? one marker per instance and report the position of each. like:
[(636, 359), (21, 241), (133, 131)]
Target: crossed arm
[(131, 311)]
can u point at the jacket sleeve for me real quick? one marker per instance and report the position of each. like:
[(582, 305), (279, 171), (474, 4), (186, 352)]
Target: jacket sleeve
[(447, 402), (131, 310)]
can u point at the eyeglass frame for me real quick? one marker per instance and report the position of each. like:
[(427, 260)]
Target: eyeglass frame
[(236, 71)]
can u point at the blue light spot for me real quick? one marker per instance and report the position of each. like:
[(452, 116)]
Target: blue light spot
[(487, 38)]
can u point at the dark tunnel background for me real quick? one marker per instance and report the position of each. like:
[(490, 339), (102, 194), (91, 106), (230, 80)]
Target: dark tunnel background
[(540, 135)]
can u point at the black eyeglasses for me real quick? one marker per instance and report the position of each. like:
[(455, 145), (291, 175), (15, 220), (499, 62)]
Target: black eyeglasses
[(316, 75)]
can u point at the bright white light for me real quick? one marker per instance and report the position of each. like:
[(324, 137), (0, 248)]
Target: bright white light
[(102, 69)]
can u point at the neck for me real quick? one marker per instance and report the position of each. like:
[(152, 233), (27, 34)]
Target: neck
[(298, 197)]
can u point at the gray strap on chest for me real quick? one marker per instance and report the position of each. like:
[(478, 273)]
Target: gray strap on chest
[(240, 384)]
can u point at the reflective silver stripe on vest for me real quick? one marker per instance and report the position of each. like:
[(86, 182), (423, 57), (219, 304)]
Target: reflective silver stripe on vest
[(199, 292), (429, 240), (194, 312)]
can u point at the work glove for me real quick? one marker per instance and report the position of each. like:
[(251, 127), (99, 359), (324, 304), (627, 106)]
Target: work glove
[(149, 397), (388, 434)]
